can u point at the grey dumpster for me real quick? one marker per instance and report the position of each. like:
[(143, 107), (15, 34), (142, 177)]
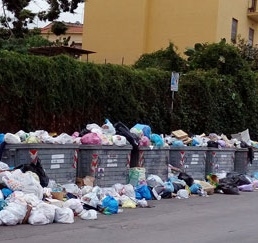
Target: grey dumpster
[(58, 160), (155, 161), (189, 159), (252, 168), (107, 164), (241, 161), (218, 160)]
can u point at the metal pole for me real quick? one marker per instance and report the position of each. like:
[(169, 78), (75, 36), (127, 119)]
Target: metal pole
[(172, 105)]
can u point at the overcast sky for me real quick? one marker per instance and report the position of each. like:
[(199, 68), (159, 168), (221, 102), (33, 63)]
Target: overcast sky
[(40, 5)]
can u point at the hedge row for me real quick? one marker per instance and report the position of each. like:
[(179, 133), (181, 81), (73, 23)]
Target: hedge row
[(60, 94)]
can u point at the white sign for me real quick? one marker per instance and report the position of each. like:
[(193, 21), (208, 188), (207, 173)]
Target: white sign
[(174, 81), (57, 159), (56, 166)]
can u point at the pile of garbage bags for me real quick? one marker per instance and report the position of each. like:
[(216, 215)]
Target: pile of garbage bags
[(233, 182), (107, 134), (24, 200), (138, 135)]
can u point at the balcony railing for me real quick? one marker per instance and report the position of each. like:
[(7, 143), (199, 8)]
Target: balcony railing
[(252, 12)]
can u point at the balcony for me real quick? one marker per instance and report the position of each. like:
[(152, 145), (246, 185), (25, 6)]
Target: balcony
[(252, 12)]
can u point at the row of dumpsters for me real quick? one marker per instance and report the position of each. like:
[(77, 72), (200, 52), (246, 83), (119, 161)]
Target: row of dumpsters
[(63, 163)]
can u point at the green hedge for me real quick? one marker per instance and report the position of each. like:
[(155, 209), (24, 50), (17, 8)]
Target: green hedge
[(60, 94)]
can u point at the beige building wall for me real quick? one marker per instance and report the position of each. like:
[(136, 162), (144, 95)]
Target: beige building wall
[(120, 31), (114, 29), (236, 9), (181, 22)]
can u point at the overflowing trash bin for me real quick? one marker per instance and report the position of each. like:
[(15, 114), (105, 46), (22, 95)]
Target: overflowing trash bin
[(218, 160), (58, 160), (155, 161), (247, 165), (241, 164), (107, 164), (191, 160)]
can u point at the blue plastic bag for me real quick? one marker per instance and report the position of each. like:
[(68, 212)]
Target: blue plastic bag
[(195, 188), (157, 140), (144, 128), (3, 204), (110, 204), (143, 191), (168, 186), (177, 143), (1, 138), (6, 192)]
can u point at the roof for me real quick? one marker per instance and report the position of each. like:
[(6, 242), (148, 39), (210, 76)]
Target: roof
[(72, 28), (58, 50)]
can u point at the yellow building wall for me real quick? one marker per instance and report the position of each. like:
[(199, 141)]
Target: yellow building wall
[(120, 31), (114, 29), (236, 9), (183, 23)]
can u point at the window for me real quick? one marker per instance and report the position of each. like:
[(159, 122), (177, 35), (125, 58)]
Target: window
[(251, 37), (252, 5), (234, 30)]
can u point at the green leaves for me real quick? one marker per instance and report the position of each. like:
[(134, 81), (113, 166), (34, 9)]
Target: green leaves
[(22, 16)]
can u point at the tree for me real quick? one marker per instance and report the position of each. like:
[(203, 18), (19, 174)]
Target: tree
[(59, 28), (22, 16), (167, 60), (248, 52), (223, 57)]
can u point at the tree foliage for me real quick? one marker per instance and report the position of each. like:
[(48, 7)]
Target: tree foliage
[(218, 93), (22, 16), (59, 28), (223, 57), (22, 45), (167, 60), (248, 52)]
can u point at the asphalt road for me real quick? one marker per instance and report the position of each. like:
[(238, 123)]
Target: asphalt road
[(217, 218)]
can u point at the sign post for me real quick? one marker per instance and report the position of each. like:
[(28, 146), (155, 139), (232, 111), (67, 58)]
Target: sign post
[(174, 86)]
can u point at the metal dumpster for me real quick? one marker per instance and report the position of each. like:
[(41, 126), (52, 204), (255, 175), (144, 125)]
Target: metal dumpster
[(107, 164), (58, 160), (189, 159), (218, 160), (241, 164), (155, 161)]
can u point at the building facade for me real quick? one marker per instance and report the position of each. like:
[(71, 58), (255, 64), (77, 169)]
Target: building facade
[(120, 31), (74, 30)]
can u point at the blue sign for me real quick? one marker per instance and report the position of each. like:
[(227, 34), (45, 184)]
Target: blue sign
[(174, 81)]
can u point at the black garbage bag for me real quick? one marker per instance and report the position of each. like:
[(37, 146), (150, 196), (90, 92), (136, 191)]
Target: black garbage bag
[(250, 154), (2, 146), (123, 130), (228, 188), (166, 195), (37, 169), (187, 178), (83, 132), (239, 179), (229, 184), (177, 187), (212, 144)]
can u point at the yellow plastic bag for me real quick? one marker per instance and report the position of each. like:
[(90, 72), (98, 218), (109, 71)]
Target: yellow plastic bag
[(129, 204)]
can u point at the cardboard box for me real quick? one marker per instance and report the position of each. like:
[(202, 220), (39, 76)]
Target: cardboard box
[(180, 134), (86, 181)]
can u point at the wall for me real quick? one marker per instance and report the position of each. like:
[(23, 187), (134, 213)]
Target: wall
[(115, 30), (120, 31), (239, 12)]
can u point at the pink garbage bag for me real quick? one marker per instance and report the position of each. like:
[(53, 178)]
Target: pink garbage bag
[(91, 138)]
